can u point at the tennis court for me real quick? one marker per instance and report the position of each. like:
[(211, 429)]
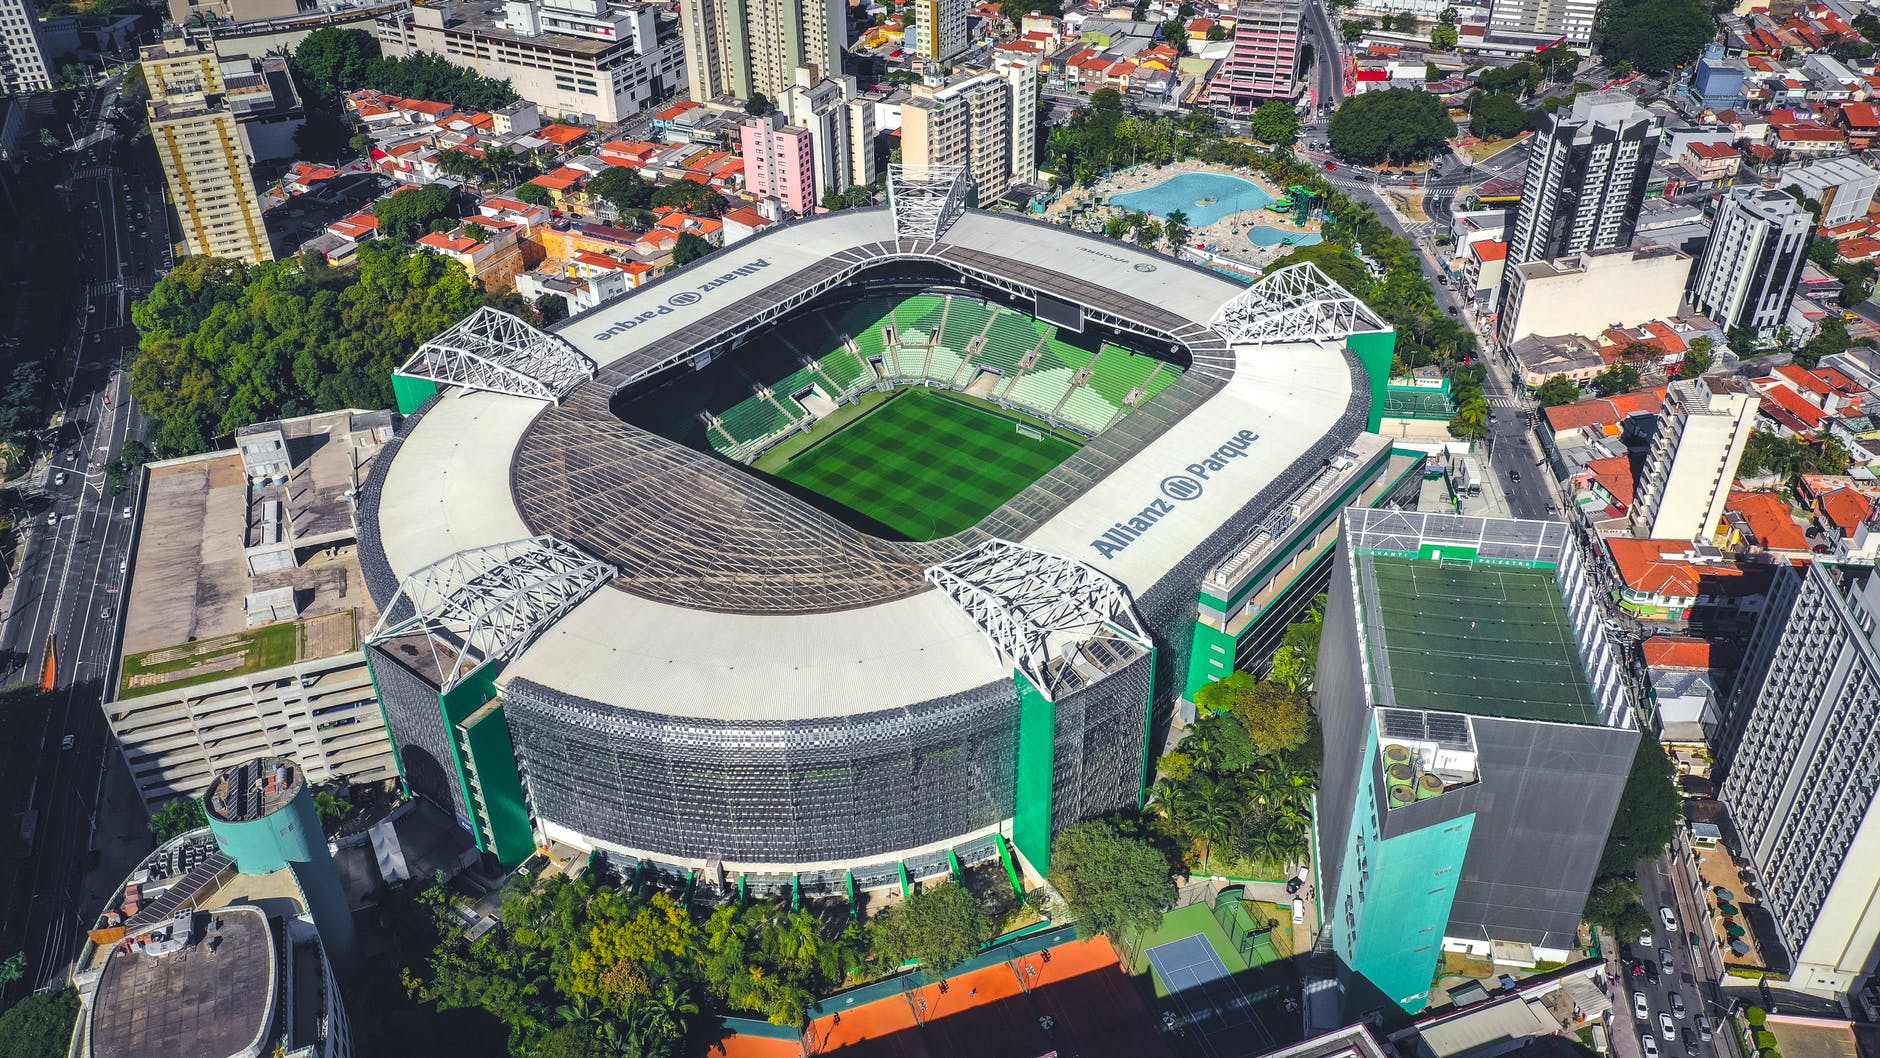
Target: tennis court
[(1215, 1013), (926, 465), (1476, 638)]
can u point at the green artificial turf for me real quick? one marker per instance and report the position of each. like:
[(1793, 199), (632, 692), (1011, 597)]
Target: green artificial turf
[(927, 465)]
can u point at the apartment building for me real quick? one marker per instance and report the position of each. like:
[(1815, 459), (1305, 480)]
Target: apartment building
[(1754, 259), (23, 65), (1264, 61), (205, 162), (593, 60), (1542, 22), (245, 612), (734, 48), (1800, 738), (841, 128), (976, 120), (939, 29), (1685, 481), (779, 162)]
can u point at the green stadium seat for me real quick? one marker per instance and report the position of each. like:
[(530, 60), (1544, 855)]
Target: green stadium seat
[(1118, 371), (1041, 388), (1088, 409), (754, 419), (1160, 381), (1008, 341), (843, 371), (942, 364), (920, 313), (966, 319)]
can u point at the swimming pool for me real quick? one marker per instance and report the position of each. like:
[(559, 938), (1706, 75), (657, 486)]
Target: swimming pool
[(1264, 235), (1204, 197)]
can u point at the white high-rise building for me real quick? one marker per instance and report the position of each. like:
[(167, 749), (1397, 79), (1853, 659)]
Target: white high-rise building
[(939, 29), (1753, 261), (1800, 780), (984, 120), (1688, 471), (736, 48), (841, 128), (200, 146), (23, 66), (1543, 21)]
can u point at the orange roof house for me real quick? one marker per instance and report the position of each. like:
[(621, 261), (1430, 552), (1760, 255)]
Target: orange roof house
[(562, 135), (1676, 652), (1766, 519)]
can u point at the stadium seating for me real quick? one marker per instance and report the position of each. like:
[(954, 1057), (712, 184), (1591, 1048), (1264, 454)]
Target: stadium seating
[(920, 313), (755, 419), (1007, 342), (1040, 389), (1159, 381), (1087, 409), (966, 320), (842, 371), (942, 364), (1118, 371)]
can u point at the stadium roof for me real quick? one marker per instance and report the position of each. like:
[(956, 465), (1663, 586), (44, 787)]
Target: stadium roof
[(734, 598)]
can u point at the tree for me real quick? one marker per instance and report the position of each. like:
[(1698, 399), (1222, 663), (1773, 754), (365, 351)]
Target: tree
[(1113, 880), (553, 307), (13, 968), (939, 927), (535, 195), (427, 76), (1698, 357), (1621, 377), (1338, 263), (758, 105), (1217, 33), (1355, 28), (690, 248), (1654, 35), (621, 187), (1556, 391), (1210, 812), (330, 62), (1613, 905), (688, 196), (1824, 252), (1444, 38), (39, 1025), (1857, 279), (1397, 125), (1276, 122), (1495, 115), (1650, 811), (1175, 228), (178, 817), (1403, 22), (1174, 33), (1275, 718), (1830, 338), (409, 214), (332, 809), (1447, 16)]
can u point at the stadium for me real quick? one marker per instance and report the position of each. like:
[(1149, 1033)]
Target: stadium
[(861, 550)]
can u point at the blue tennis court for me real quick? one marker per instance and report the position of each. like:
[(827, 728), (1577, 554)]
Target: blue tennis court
[(1212, 1006)]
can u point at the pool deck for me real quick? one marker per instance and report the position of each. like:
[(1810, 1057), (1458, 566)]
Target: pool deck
[(1226, 238)]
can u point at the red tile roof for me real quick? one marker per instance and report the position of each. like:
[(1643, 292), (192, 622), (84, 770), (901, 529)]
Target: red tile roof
[(1712, 150), (561, 179), (1846, 509), (1614, 474), (1791, 402), (1861, 115), (1767, 515), (1491, 249), (444, 241), (1657, 567), (1606, 411), (561, 135), (1676, 652)]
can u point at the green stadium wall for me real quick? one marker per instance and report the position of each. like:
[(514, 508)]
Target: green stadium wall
[(1376, 350), (410, 392), (1037, 769)]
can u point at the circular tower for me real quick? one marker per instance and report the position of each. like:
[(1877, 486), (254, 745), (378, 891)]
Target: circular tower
[(263, 817)]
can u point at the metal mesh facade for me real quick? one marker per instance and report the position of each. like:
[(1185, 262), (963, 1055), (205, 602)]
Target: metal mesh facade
[(789, 792), (1099, 751), (416, 718)]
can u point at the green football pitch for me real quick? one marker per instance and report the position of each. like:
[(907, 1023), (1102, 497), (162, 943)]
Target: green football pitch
[(927, 465)]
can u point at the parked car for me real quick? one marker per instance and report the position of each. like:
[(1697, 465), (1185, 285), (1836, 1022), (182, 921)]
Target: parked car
[(1703, 1027), (1651, 971), (1664, 956), (66, 742), (1650, 1046), (1669, 920), (1640, 1008), (1677, 1006), (1666, 1030)]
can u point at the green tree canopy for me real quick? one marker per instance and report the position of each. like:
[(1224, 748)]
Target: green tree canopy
[(535, 195), (1654, 35), (1613, 905), (758, 105), (689, 196), (1444, 38), (39, 1025), (177, 817), (1698, 357), (1276, 718), (1556, 391), (1619, 378), (552, 307), (939, 927), (1650, 810), (427, 76), (689, 248), (621, 187), (1111, 877), (1337, 261), (329, 62), (409, 214), (1275, 121), (1403, 22), (1494, 115), (1396, 125)]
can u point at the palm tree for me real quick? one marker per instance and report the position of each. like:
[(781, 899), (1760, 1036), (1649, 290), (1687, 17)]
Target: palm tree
[(1212, 812), (1175, 227)]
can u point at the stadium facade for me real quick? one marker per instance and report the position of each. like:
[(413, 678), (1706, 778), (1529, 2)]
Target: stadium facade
[(1478, 735), (599, 635)]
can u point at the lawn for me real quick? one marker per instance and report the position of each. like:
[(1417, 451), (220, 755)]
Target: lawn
[(267, 647), (928, 465)]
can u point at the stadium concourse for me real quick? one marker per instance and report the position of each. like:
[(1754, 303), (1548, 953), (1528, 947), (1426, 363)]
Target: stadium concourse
[(622, 639)]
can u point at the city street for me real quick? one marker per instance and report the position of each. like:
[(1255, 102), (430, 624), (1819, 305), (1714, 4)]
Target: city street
[(67, 587)]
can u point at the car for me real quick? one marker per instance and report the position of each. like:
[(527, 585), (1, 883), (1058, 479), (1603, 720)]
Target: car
[(66, 742), (1514, 476), (1640, 1008), (1668, 920), (1677, 1005), (1666, 1030), (1331, 167), (1690, 1040), (104, 611), (53, 519), (126, 513), (1703, 1027), (1651, 971), (1295, 885), (124, 565), (1650, 1046), (89, 309), (59, 478), (1452, 310)]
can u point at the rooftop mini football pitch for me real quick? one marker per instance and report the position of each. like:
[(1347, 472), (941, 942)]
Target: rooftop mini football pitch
[(927, 464)]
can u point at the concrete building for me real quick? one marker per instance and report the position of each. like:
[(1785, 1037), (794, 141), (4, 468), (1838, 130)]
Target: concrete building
[(1585, 294), (181, 11), (1478, 732), (735, 48), (939, 29), (1542, 22), (779, 162), (228, 940), (1800, 739), (593, 60), (244, 613), (841, 128), (23, 65), (1845, 187), (974, 121), (1686, 477), (205, 164), (1263, 63), (1587, 170), (1754, 260), (1717, 83)]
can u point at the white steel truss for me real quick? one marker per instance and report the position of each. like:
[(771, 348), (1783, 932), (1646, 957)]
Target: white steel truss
[(1298, 303), (1043, 613), (487, 603), (494, 351), (926, 199)]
